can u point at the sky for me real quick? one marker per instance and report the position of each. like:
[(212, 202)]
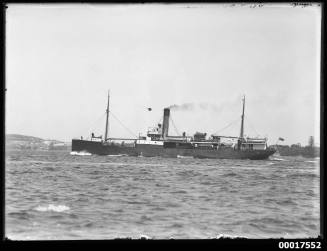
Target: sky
[(61, 60)]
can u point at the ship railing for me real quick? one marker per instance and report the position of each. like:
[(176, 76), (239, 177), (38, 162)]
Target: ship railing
[(253, 143), (178, 138), (218, 136), (131, 139), (204, 142)]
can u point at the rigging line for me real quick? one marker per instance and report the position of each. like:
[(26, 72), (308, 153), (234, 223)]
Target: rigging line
[(253, 129), (232, 128), (174, 125), (98, 129), (86, 131), (159, 121), (251, 126), (234, 121), (121, 123)]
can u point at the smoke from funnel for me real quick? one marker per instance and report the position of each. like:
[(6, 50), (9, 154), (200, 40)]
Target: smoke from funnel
[(194, 106), (206, 106), (183, 107)]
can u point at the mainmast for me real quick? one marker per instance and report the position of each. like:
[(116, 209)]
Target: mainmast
[(242, 124), (107, 120)]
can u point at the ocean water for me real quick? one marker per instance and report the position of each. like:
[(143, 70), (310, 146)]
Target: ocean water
[(59, 195)]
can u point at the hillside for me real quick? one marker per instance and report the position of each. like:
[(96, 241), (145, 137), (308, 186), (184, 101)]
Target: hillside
[(24, 142), (19, 137)]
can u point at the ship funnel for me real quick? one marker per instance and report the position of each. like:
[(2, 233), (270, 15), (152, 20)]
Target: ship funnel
[(165, 124)]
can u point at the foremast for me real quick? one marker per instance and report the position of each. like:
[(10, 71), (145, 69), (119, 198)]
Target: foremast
[(107, 119)]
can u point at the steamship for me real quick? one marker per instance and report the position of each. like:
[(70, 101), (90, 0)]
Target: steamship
[(157, 142)]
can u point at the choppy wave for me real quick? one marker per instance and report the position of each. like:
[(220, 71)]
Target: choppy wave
[(183, 198), (184, 157), (312, 161), (54, 208), (116, 155), (227, 236), (80, 153), (20, 215), (143, 236), (304, 175), (277, 159)]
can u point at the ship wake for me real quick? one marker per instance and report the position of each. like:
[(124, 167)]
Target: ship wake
[(277, 159), (83, 153), (52, 208)]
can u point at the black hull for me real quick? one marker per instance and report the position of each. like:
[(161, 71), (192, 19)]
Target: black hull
[(145, 150), (95, 147)]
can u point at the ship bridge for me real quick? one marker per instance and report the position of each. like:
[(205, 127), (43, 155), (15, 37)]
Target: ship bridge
[(155, 133)]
